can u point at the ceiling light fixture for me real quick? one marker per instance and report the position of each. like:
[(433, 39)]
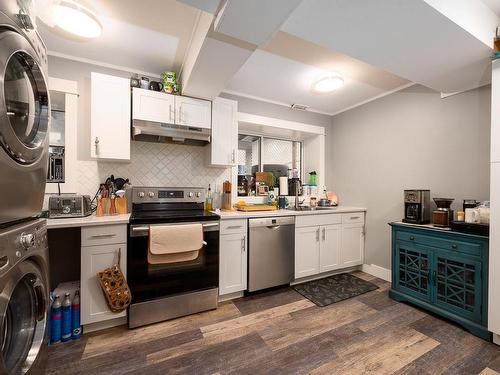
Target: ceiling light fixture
[(328, 84), (76, 19)]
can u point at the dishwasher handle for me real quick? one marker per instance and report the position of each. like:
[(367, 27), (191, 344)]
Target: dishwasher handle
[(273, 227), (271, 222)]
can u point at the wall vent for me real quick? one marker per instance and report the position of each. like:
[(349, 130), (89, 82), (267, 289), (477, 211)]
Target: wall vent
[(299, 107)]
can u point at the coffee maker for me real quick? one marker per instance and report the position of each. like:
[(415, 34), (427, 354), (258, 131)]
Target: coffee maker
[(417, 206)]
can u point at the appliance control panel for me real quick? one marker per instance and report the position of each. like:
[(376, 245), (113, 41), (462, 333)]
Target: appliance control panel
[(21, 241), (168, 194)]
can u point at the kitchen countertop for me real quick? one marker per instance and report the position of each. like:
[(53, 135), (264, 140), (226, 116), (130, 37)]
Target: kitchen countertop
[(224, 215), (87, 221)]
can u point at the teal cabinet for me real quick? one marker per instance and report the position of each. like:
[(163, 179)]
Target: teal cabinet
[(442, 271)]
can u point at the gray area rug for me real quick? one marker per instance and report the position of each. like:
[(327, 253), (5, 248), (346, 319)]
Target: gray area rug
[(324, 292)]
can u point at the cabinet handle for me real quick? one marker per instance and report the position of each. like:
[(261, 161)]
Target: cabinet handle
[(234, 227), (96, 143), (412, 238), (233, 157), (103, 235), (434, 277), (170, 112), (454, 246), (243, 244), (324, 234), (354, 217), (180, 114), (317, 235)]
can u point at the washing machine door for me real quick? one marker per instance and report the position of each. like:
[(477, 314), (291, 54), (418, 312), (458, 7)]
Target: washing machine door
[(24, 100), (23, 319)]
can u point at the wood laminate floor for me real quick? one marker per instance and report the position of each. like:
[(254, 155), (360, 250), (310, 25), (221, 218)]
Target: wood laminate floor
[(281, 332)]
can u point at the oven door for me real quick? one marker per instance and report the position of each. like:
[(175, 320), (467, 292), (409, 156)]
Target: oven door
[(151, 281), (24, 100)]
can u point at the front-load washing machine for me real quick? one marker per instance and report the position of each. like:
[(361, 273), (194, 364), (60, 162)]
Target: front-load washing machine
[(24, 298), (24, 113)]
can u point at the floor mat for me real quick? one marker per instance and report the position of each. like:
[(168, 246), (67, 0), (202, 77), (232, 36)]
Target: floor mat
[(324, 292)]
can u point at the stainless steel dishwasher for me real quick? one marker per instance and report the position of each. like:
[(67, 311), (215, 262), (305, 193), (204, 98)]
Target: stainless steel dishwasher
[(271, 252)]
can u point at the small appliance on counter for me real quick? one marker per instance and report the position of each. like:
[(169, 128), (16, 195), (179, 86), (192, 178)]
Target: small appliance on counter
[(443, 216), (470, 203), (417, 206), (69, 205), (55, 171), (294, 186)]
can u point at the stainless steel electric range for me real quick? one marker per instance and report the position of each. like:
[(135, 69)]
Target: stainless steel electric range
[(166, 291)]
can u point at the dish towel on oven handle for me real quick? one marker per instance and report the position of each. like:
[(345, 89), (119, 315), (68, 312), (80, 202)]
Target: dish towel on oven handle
[(115, 287), (174, 243)]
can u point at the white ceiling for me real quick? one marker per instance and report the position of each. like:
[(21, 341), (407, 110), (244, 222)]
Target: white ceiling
[(494, 5), (146, 36), (279, 79)]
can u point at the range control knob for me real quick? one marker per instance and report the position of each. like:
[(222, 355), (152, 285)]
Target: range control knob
[(140, 194), (66, 209), (151, 194), (198, 194), (27, 240), (190, 194)]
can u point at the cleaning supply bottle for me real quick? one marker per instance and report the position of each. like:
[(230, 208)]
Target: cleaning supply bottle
[(55, 321), (66, 318), (75, 317), (209, 201)]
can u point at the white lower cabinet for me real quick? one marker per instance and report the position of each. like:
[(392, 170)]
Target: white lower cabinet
[(353, 245), (233, 257), (329, 255), (307, 250), (328, 242), (94, 259)]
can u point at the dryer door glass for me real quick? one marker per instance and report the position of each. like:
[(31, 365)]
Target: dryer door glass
[(26, 102), (23, 327)]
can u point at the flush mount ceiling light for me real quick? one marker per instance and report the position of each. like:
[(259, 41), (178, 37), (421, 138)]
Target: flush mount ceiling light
[(76, 19), (328, 84)]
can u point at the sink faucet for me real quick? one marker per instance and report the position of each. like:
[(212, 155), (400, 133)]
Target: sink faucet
[(297, 187)]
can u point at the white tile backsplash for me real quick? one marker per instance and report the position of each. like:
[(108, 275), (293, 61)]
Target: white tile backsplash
[(154, 164)]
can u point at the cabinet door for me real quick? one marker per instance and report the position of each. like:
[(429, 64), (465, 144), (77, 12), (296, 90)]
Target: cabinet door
[(110, 117), (457, 282), (193, 112), (330, 247), (94, 259), (307, 245), (412, 270), (232, 263), (224, 143), (151, 105), (352, 245)]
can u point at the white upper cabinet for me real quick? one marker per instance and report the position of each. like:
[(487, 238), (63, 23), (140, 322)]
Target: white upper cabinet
[(193, 112), (222, 151), (151, 105), (110, 117)]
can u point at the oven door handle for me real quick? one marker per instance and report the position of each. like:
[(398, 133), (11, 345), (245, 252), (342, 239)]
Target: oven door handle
[(143, 230)]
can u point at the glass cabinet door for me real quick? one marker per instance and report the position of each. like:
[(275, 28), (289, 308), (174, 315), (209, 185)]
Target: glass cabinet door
[(458, 284), (413, 270)]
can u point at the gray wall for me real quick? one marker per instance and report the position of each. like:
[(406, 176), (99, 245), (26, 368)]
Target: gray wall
[(410, 139)]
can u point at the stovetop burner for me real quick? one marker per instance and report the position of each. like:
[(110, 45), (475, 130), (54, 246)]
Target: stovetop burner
[(168, 205)]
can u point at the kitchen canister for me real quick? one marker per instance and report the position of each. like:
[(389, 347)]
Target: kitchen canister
[(283, 185)]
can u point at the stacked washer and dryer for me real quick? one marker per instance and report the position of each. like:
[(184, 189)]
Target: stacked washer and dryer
[(24, 126)]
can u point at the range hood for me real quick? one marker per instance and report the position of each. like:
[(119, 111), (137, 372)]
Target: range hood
[(160, 132)]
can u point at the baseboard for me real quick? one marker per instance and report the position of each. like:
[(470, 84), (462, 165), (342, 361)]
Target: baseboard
[(227, 297), (324, 274), (87, 328), (377, 271), (496, 339)]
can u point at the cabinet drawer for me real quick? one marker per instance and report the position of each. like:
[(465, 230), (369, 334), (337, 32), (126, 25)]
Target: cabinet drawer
[(353, 217), (318, 219), (104, 234), (233, 226), (458, 246)]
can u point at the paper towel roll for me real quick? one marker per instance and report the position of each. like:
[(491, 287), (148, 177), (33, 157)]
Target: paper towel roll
[(283, 185)]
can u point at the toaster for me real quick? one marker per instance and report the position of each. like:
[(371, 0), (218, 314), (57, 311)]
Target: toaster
[(69, 205)]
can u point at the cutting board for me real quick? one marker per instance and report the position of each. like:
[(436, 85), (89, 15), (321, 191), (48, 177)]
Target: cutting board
[(256, 207)]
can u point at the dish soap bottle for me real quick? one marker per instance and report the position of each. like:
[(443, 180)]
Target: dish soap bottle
[(209, 201)]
